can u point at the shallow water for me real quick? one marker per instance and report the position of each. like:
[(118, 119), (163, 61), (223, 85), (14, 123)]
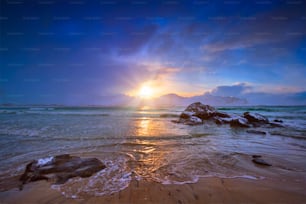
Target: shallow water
[(140, 144)]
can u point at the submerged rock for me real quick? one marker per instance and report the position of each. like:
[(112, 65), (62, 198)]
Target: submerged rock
[(275, 125), (60, 168), (168, 115), (256, 132), (258, 160)]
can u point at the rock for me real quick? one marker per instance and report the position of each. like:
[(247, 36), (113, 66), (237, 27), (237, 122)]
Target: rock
[(186, 115), (221, 115), (256, 156), (60, 168), (256, 132), (258, 160), (218, 121), (200, 110), (193, 120), (278, 121), (275, 125), (168, 115), (197, 113), (239, 122), (255, 118)]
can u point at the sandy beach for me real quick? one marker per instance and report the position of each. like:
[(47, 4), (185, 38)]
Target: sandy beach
[(207, 190), (153, 160)]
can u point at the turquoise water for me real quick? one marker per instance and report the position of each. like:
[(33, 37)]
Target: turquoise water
[(140, 144)]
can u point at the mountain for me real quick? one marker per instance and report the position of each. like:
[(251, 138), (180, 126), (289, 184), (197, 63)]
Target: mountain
[(170, 100), (210, 99)]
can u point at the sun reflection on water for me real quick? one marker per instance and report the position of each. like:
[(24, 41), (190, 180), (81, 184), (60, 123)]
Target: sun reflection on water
[(144, 127), (149, 153)]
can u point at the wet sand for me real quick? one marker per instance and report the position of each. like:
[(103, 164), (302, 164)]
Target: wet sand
[(207, 190)]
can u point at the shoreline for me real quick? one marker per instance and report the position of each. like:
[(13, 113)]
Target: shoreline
[(206, 190)]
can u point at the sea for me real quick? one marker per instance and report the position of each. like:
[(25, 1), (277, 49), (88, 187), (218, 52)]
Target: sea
[(145, 144)]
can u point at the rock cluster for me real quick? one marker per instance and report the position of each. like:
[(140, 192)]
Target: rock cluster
[(197, 113), (60, 168)]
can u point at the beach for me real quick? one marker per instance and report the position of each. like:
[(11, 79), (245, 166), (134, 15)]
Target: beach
[(208, 190), (150, 159)]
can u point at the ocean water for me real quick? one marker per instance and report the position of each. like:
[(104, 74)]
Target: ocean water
[(144, 144)]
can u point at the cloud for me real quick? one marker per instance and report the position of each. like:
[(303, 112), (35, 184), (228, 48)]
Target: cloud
[(280, 26), (232, 90), (257, 95)]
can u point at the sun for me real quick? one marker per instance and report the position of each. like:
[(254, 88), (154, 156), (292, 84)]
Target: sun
[(145, 92)]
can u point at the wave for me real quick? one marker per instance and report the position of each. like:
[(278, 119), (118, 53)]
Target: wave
[(52, 112), (41, 108), (114, 178), (289, 109)]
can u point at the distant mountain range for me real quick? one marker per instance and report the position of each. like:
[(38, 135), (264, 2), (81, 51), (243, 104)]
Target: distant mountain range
[(171, 100)]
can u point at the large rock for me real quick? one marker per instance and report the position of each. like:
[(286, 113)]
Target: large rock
[(197, 113), (200, 110), (60, 168)]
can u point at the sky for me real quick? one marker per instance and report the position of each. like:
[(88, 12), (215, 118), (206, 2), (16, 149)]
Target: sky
[(80, 51)]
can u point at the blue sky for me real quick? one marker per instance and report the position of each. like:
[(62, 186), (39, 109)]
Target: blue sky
[(80, 51)]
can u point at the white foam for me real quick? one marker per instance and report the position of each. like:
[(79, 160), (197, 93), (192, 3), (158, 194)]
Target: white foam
[(166, 181), (245, 177), (114, 178), (44, 161)]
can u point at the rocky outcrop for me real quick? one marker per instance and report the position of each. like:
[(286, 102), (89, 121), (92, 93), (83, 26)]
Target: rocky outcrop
[(197, 113), (60, 168)]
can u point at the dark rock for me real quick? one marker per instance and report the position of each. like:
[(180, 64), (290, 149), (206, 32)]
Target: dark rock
[(193, 120), (278, 121), (200, 110), (255, 118), (256, 156), (239, 122), (275, 125), (168, 115), (60, 168), (218, 121), (222, 115), (256, 132), (185, 115), (197, 113), (258, 160)]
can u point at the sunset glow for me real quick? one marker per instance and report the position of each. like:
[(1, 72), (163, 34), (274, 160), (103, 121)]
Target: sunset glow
[(146, 92)]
